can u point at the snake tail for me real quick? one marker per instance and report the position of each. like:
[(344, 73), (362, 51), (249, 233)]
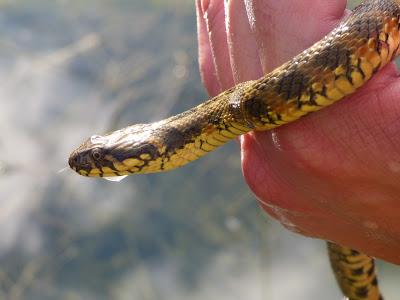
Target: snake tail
[(355, 273)]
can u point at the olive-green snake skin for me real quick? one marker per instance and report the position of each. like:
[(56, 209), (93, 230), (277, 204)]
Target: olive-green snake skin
[(328, 71)]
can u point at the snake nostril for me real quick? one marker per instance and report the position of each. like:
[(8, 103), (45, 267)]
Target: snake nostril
[(74, 160)]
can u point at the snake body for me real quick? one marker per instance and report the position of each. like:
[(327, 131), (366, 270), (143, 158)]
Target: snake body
[(331, 69)]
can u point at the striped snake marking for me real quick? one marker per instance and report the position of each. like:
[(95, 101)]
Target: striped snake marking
[(331, 69)]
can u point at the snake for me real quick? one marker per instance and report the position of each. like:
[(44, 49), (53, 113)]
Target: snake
[(331, 69)]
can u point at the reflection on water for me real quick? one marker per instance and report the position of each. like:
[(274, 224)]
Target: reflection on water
[(69, 69)]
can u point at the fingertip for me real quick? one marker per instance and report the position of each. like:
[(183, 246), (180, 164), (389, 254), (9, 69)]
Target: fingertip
[(206, 63)]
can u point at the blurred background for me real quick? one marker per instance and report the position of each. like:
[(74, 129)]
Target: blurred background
[(69, 69)]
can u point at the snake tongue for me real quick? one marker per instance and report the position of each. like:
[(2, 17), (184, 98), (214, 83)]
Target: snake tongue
[(115, 178)]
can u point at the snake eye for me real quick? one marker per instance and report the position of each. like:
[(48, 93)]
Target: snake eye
[(96, 154)]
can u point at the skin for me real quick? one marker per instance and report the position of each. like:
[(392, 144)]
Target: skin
[(334, 174)]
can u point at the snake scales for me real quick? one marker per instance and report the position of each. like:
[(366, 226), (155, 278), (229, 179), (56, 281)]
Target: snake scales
[(328, 71)]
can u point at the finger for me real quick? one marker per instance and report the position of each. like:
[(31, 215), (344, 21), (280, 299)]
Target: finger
[(355, 131), (283, 216), (214, 16), (268, 174), (206, 62), (283, 29), (347, 155), (356, 234), (245, 62)]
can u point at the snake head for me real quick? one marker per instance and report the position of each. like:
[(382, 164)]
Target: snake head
[(134, 149), (88, 159)]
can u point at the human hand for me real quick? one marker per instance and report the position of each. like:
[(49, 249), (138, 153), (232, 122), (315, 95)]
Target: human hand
[(334, 174)]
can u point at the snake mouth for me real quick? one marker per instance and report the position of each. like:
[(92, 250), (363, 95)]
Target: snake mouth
[(82, 164), (88, 171)]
